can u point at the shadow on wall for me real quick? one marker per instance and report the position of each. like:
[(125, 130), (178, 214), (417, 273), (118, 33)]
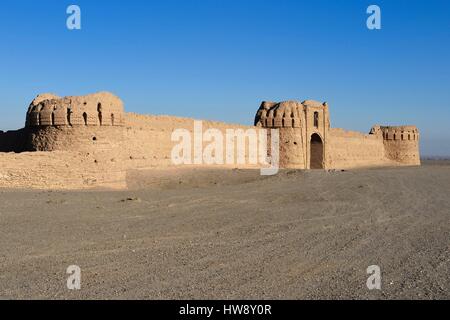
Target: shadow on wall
[(13, 141)]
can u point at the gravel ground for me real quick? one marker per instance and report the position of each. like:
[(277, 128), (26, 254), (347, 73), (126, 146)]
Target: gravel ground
[(232, 234)]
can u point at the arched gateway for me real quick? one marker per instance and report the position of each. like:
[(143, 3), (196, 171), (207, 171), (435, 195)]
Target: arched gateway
[(316, 153)]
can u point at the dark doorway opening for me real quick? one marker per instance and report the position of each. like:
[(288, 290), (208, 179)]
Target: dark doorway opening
[(316, 156)]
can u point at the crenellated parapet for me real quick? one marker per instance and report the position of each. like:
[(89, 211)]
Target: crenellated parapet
[(401, 143), (286, 114), (408, 133), (99, 109), (90, 122)]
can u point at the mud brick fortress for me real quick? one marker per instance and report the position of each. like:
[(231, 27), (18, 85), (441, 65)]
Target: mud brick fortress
[(308, 142), (93, 142)]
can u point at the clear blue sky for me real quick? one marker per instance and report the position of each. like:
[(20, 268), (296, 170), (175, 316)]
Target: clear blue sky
[(218, 60)]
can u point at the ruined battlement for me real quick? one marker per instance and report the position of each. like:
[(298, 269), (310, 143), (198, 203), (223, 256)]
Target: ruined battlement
[(401, 133), (99, 109)]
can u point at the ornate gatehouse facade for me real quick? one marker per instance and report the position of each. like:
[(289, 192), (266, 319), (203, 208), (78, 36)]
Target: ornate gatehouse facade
[(308, 142)]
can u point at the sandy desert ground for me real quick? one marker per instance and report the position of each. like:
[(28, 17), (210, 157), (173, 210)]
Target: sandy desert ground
[(233, 234)]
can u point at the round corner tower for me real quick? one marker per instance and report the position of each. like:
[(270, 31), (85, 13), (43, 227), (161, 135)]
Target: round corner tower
[(75, 122), (401, 144)]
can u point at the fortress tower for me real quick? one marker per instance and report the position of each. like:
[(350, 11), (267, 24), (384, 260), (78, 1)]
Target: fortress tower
[(303, 129), (74, 123), (99, 109), (401, 143), (308, 142)]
